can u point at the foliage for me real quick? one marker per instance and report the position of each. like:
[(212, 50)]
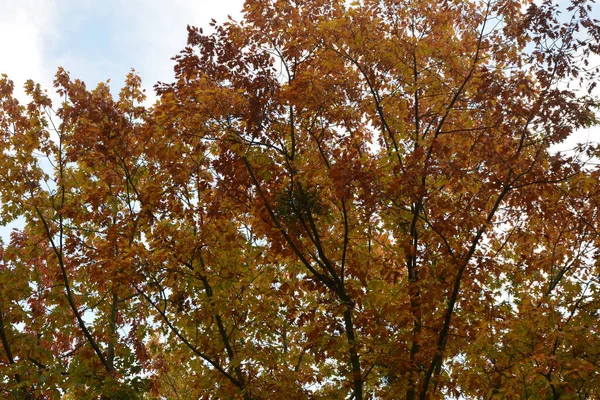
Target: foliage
[(331, 200)]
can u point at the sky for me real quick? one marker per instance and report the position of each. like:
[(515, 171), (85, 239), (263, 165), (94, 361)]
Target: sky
[(98, 40)]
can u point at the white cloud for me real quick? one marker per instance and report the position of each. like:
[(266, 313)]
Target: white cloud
[(26, 26), (97, 41)]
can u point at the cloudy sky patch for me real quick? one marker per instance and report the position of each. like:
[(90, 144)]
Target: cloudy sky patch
[(100, 40)]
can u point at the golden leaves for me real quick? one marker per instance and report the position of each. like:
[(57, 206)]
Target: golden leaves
[(330, 200)]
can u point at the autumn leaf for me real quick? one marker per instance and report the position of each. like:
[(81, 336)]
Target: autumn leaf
[(331, 200)]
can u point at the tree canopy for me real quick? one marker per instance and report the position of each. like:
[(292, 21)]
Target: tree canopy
[(331, 200)]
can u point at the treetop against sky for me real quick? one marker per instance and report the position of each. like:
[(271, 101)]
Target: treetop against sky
[(99, 40), (326, 200)]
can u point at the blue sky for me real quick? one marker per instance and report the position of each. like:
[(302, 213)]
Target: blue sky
[(99, 40)]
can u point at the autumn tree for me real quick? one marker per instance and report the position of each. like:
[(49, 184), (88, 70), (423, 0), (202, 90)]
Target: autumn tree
[(68, 273), (331, 200)]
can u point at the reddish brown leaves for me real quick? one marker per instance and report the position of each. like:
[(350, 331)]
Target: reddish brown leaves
[(330, 200)]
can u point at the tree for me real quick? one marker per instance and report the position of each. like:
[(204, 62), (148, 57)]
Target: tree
[(331, 200)]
